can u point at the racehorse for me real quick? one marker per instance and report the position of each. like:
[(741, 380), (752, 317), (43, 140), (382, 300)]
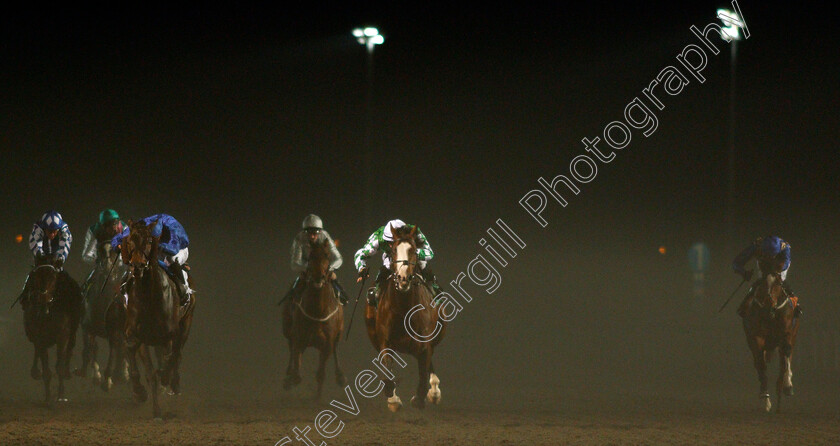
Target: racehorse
[(154, 316), (769, 325), (386, 326), (315, 319), (52, 310), (104, 317)]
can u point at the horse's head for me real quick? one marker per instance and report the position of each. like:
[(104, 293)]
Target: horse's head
[(44, 280), (140, 247), (404, 256), (769, 290), (318, 268)]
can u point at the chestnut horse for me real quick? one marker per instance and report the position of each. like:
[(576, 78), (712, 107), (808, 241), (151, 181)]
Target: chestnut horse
[(404, 293), (154, 316), (314, 319), (51, 311), (104, 317), (770, 325)]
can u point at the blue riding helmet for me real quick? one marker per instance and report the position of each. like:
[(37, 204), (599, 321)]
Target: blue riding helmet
[(51, 221), (771, 246)]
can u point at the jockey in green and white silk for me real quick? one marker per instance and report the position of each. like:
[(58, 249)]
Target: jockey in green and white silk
[(380, 242)]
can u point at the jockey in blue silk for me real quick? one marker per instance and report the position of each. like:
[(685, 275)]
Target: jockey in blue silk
[(173, 247), (313, 232), (50, 238), (772, 254), (380, 242)]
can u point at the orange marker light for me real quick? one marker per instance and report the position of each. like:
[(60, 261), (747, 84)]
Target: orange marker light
[(662, 250), (18, 238)]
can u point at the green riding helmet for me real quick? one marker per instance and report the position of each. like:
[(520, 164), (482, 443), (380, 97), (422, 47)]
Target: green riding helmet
[(108, 215)]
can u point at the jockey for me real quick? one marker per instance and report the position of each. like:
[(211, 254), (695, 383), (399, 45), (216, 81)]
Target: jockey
[(50, 237), (313, 232), (380, 241), (173, 247), (100, 233), (772, 254)]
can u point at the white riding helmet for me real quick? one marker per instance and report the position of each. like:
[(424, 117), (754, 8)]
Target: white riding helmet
[(393, 224), (312, 221)]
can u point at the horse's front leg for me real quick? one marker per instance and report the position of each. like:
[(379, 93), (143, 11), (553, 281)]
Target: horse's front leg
[(62, 364), (760, 363), (132, 347), (424, 360), (43, 355), (390, 390), (35, 371), (151, 379), (293, 373), (339, 374), (323, 356), (86, 354)]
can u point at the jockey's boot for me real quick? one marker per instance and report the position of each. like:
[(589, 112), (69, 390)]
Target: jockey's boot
[(339, 292), (431, 279), (371, 296), (381, 276), (180, 276), (797, 312), (745, 304)]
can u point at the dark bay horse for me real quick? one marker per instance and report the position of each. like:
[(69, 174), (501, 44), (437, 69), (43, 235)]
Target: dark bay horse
[(104, 317), (52, 310), (154, 317), (405, 292), (770, 325), (314, 319)]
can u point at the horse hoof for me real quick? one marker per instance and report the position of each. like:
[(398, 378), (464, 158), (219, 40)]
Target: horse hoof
[(434, 392), (106, 384), (789, 391), (140, 395), (62, 400), (291, 381), (394, 404), (418, 403), (341, 380), (767, 404)]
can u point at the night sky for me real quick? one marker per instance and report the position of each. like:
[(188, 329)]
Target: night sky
[(240, 121)]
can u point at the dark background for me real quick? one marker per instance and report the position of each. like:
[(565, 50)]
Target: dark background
[(240, 121)]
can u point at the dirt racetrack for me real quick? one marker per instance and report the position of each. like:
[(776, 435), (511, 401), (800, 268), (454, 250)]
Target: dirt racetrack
[(95, 418)]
